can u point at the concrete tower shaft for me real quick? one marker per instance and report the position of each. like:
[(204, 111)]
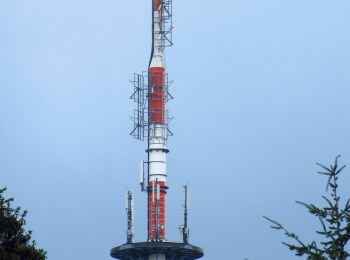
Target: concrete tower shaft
[(157, 151)]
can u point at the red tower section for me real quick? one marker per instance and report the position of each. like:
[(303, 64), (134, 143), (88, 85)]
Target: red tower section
[(156, 95), (156, 213), (156, 4)]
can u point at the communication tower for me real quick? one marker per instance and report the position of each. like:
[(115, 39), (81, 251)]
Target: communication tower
[(151, 123)]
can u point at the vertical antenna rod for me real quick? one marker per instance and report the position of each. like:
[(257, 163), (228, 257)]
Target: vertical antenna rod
[(184, 229), (129, 212)]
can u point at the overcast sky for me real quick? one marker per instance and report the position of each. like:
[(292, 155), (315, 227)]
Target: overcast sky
[(262, 93)]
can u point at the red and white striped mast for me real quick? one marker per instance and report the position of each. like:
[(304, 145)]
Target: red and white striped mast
[(157, 132), (151, 118), (151, 124)]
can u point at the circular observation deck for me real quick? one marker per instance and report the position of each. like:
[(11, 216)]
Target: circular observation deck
[(172, 251)]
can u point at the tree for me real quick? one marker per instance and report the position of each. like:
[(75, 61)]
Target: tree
[(334, 221), (15, 242)]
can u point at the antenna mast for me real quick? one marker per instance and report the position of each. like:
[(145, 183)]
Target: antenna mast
[(129, 212), (185, 232)]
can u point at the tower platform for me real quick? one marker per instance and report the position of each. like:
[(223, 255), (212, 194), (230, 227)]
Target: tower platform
[(142, 251)]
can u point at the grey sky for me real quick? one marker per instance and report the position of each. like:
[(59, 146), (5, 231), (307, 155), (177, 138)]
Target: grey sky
[(261, 94)]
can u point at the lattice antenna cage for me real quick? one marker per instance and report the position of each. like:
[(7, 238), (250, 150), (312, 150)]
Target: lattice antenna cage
[(142, 118), (166, 16), (140, 99)]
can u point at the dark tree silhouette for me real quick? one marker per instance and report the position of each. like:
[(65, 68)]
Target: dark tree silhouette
[(334, 221), (15, 242)]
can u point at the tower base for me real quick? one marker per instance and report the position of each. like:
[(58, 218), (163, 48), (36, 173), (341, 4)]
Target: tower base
[(143, 251)]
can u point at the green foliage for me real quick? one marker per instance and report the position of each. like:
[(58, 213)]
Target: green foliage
[(15, 242), (334, 221)]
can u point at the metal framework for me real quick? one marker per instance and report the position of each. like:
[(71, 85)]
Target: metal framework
[(142, 117), (166, 21)]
